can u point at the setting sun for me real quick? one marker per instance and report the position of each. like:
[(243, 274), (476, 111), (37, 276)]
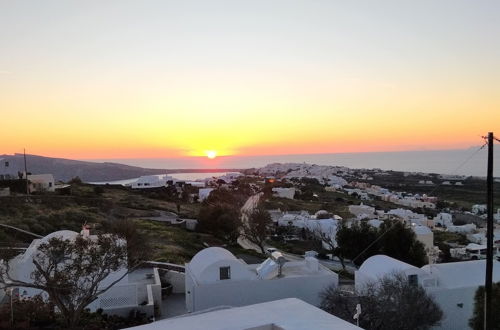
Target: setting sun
[(211, 154)]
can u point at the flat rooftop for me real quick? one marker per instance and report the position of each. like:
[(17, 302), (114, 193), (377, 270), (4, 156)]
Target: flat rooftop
[(284, 314), (142, 275), (297, 269)]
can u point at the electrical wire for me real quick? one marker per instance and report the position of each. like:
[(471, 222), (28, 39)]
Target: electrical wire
[(430, 193)]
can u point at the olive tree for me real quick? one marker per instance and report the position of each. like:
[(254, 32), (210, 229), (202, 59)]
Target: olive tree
[(391, 302), (256, 227), (72, 272)]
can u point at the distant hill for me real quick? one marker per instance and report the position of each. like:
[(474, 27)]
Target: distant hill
[(66, 169)]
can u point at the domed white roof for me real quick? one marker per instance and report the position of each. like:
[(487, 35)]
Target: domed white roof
[(64, 234), (380, 265), (207, 257), (33, 248), (320, 212)]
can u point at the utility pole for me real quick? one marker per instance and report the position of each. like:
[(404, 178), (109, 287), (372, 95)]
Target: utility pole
[(489, 237), (26, 173)]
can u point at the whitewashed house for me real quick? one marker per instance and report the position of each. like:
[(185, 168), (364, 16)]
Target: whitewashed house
[(479, 209), (378, 266), (456, 285), (409, 216), (362, 211), (453, 285), (152, 181), (139, 290), (463, 229), (323, 228), (424, 235), (215, 277), (41, 183), (444, 219)]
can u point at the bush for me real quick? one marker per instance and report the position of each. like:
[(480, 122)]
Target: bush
[(477, 320), (389, 303)]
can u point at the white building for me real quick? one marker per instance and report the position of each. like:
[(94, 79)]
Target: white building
[(479, 209), (41, 182), (284, 314), (453, 285), (324, 228), (284, 192), (215, 277), (139, 290), (152, 181), (204, 193), (444, 219), (463, 229), (409, 216), (424, 235), (378, 266), (363, 211)]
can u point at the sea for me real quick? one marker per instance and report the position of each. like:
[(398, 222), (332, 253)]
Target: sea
[(469, 162)]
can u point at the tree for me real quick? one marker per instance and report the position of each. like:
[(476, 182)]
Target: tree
[(400, 242), (71, 272), (389, 303), (329, 239), (256, 227), (477, 320), (356, 242), (76, 180), (361, 241), (220, 219), (138, 247)]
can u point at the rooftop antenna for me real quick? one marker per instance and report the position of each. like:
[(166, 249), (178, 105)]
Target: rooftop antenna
[(280, 260), (358, 314)]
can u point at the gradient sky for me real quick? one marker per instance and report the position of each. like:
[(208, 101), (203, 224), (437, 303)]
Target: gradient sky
[(124, 79)]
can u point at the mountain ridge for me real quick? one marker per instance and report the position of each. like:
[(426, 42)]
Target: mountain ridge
[(65, 169)]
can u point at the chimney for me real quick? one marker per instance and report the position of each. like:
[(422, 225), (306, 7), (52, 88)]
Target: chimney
[(85, 231)]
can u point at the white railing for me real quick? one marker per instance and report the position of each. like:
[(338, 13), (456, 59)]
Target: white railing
[(119, 296)]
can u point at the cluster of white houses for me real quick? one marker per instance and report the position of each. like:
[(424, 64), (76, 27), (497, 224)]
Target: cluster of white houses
[(366, 190), (215, 280)]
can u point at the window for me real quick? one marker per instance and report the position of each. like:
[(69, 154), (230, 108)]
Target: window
[(50, 184), (413, 280), (225, 273)]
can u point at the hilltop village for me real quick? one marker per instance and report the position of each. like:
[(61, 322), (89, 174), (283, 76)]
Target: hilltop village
[(275, 238)]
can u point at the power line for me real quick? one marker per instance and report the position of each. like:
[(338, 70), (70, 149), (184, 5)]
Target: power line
[(431, 192)]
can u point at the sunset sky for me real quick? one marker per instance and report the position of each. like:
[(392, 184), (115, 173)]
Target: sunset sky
[(126, 79)]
